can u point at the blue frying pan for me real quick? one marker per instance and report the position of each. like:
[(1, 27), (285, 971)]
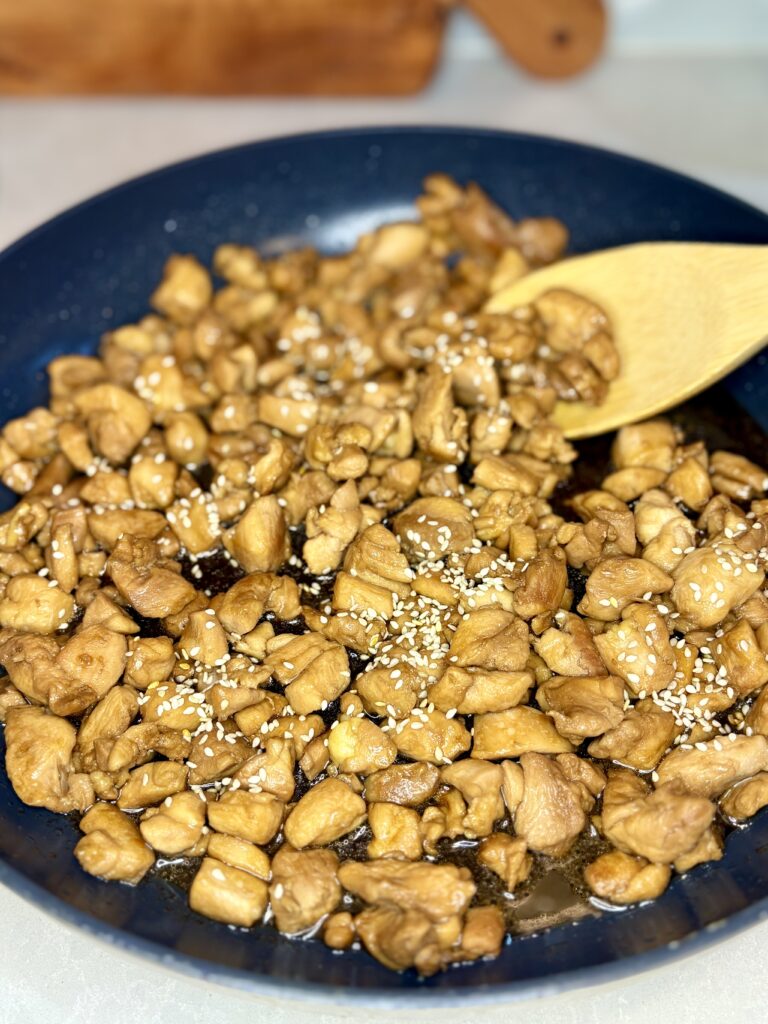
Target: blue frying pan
[(93, 267)]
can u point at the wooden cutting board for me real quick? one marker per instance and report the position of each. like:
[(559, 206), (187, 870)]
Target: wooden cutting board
[(299, 47)]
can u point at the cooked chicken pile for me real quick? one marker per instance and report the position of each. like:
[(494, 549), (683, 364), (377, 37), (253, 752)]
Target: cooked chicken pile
[(412, 647)]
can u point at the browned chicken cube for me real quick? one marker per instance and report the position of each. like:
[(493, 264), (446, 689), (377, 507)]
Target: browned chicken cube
[(622, 879), (228, 894), (326, 812), (508, 857), (511, 733), (550, 814), (304, 887), (112, 846)]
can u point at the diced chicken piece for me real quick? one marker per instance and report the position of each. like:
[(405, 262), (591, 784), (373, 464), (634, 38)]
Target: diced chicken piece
[(375, 569), (86, 668), (757, 716), (145, 581), (240, 608), (38, 759), (582, 706), (638, 649), (645, 444), (315, 758), (653, 513), (479, 782), (664, 529), (238, 853), (721, 764), (395, 246), (746, 798), (109, 525), (711, 581), (569, 319), (508, 857), (259, 541), (55, 675), (660, 826), (389, 689), (327, 443), (409, 785), (432, 528), (400, 938), (33, 436), (330, 532), (519, 473), (228, 894), (185, 290), (439, 891), (103, 611), (304, 888), (150, 660), (482, 935), (62, 558), (152, 783), (227, 701), (640, 740), (511, 733), (490, 638), (20, 524), (737, 477), (738, 653), (585, 773), (690, 483), (203, 638), (175, 827), (116, 420), (339, 931), (112, 847), (251, 720), (396, 832), (174, 705), (512, 784), (628, 484), (358, 745), (431, 736), (620, 878), (272, 770), (138, 742), (326, 812), (10, 697), (474, 691), (32, 605), (570, 649), (550, 815), (618, 582), (186, 438), (709, 847), (544, 583), (439, 425), (255, 817), (313, 670)]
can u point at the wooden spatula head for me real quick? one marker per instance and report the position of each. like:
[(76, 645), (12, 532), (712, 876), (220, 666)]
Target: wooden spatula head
[(683, 315)]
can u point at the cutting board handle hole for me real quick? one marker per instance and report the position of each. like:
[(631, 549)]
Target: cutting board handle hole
[(561, 37)]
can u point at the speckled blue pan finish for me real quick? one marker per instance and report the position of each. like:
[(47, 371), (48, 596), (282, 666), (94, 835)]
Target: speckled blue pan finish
[(93, 267)]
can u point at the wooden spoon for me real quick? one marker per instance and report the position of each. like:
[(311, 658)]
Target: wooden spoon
[(684, 314)]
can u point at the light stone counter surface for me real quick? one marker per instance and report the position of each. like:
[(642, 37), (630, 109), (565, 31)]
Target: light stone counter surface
[(704, 115)]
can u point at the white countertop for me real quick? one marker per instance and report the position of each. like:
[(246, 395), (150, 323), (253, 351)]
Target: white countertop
[(702, 115)]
